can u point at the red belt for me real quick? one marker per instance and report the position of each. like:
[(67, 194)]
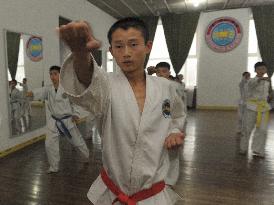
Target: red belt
[(133, 199)]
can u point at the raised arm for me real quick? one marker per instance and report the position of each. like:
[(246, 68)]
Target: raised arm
[(86, 84), (79, 38)]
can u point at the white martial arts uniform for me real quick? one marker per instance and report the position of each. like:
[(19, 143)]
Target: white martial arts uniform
[(25, 104), (59, 106), (258, 92), (16, 113), (91, 126), (242, 103), (133, 143), (182, 92)]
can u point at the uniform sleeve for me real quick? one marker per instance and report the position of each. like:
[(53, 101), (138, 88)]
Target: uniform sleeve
[(241, 86), (178, 114), (94, 98)]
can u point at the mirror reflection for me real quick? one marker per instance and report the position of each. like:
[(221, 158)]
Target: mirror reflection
[(25, 72)]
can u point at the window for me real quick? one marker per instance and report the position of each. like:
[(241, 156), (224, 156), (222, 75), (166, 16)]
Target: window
[(189, 69), (20, 73), (160, 53), (253, 49), (109, 62)]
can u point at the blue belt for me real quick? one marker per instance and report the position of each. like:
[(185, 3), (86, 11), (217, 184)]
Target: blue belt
[(62, 129)]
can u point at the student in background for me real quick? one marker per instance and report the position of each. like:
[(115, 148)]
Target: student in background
[(16, 110), (242, 102), (61, 122), (257, 112), (25, 103)]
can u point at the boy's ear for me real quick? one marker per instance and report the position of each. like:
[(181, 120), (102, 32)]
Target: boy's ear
[(149, 46), (110, 49)]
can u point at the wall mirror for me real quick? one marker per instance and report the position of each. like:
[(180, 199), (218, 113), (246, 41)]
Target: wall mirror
[(25, 70)]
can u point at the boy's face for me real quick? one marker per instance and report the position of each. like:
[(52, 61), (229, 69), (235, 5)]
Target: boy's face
[(163, 72), (54, 76), (12, 84), (247, 76), (129, 50), (261, 70)]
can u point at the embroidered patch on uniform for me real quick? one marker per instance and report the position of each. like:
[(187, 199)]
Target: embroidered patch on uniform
[(64, 95), (166, 108)]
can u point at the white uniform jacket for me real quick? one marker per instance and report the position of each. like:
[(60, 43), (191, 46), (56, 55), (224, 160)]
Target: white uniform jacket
[(243, 85), (15, 99), (58, 105), (133, 143), (257, 90)]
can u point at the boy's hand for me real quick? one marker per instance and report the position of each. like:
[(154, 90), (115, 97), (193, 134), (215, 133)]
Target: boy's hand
[(29, 94), (174, 140), (78, 36), (151, 70), (75, 118)]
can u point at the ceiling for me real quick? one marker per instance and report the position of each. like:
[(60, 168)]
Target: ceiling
[(125, 8)]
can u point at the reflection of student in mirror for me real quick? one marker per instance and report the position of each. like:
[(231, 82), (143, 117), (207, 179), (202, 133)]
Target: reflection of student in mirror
[(15, 105), (61, 121), (25, 103)]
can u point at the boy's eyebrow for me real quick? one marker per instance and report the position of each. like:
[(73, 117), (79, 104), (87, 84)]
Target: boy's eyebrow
[(134, 39), (121, 41), (118, 41)]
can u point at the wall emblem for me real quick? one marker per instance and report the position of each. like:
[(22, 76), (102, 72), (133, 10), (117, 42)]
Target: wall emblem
[(34, 48), (223, 34)]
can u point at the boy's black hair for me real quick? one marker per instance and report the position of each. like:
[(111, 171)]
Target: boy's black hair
[(244, 73), (129, 22), (259, 64), (13, 80), (55, 67), (163, 64)]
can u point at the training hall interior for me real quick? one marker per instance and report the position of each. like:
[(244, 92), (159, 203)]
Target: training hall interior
[(211, 43)]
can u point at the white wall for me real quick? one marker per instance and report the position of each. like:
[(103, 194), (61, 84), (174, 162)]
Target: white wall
[(219, 73), (41, 18)]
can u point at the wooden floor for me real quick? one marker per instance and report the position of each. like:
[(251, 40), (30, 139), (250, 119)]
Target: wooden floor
[(212, 173)]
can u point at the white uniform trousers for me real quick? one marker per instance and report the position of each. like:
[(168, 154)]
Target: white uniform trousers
[(52, 146), (259, 137), (241, 110)]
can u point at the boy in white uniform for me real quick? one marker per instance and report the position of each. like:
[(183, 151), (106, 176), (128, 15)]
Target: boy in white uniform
[(257, 112), (26, 109), (61, 121), (162, 69), (242, 102), (15, 104), (141, 117)]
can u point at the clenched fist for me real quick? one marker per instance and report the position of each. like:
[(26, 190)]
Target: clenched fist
[(78, 36)]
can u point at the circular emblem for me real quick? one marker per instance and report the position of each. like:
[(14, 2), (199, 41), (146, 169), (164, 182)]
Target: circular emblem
[(224, 34), (34, 48), (166, 108)]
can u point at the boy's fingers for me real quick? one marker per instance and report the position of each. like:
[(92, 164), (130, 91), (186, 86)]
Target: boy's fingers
[(165, 144), (173, 141), (94, 44), (179, 141)]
